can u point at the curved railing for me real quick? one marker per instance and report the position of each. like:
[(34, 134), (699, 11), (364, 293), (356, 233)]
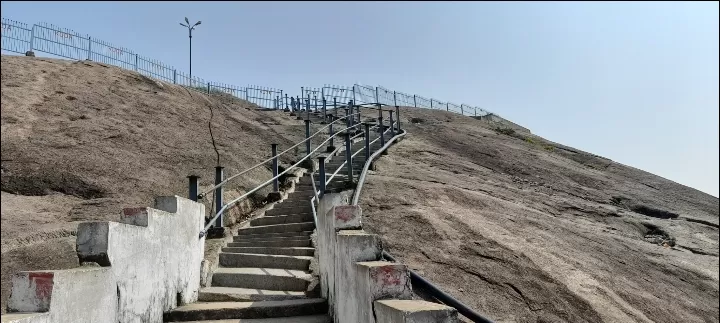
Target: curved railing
[(221, 208)]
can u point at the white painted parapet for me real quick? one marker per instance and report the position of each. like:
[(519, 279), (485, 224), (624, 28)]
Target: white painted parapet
[(352, 246), (151, 264), (378, 280)]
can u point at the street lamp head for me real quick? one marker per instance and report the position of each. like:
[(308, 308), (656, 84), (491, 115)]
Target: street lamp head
[(187, 21), (197, 23), (182, 24)]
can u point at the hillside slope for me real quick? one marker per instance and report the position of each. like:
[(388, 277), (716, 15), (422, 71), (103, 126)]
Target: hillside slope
[(82, 140), (526, 230)]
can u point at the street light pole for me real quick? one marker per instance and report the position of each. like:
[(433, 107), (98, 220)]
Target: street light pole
[(190, 29)]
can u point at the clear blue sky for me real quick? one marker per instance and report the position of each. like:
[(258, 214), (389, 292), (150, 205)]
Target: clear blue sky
[(635, 82)]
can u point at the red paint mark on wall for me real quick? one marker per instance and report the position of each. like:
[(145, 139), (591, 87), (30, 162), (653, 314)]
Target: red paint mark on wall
[(344, 213), (388, 276), (135, 211), (43, 283)]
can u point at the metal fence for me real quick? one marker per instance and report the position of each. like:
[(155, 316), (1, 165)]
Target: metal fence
[(21, 38)]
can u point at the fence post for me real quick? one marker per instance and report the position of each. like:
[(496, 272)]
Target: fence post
[(462, 111), (136, 62), (175, 76), (348, 156), (353, 91), (307, 107), (397, 115), (302, 92), (324, 110), (316, 106), (307, 135), (286, 101), (208, 87), (414, 101), (356, 118), (447, 106), (218, 195), (280, 100), (32, 37), (321, 164), (431, 104), (392, 126), (381, 127), (89, 47), (335, 106), (276, 184), (347, 118), (394, 98), (377, 96), (476, 111), (331, 144), (193, 187), (367, 142)]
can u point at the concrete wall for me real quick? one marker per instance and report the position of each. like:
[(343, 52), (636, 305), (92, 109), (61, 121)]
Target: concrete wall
[(151, 263), (413, 311), (352, 276)]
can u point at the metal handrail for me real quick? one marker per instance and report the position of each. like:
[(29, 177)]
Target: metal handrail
[(201, 195), (345, 162), (227, 205), (315, 198)]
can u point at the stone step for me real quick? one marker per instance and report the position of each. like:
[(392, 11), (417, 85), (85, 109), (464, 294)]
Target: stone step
[(288, 251), (294, 319), (281, 208), (234, 294), (276, 243), (282, 219), (277, 228), (294, 202), (246, 310), (262, 278), (240, 260), (271, 236)]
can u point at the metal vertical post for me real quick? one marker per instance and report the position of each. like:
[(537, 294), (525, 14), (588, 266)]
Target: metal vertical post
[(347, 118), (335, 106), (280, 105), (367, 142), (218, 195), (323, 177), (394, 98), (193, 187), (476, 111), (431, 104), (307, 108), (136, 64), (32, 37), (382, 128), (208, 87), (277, 102), (414, 101), (331, 145), (302, 93), (353, 91), (286, 101), (462, 111), (316, 105), (392, 127), (174, 76), (276, 182), (307, 135), (397, 115), (89, 47), (324, 110), (447, 106), (348, 156)]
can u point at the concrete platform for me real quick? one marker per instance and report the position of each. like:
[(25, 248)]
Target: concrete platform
[(264, 261), (291, 251), (249, 310), (234, 294), (262, 278)]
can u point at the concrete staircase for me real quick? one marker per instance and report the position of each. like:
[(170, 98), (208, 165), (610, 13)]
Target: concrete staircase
[(263, 275)]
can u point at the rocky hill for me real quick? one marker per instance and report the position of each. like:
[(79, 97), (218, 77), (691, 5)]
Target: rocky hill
[(527, 230)]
